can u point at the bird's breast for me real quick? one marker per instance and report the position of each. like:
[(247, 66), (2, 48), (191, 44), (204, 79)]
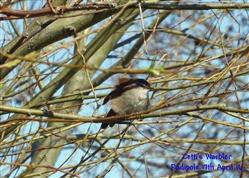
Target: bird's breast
[(131, 101)]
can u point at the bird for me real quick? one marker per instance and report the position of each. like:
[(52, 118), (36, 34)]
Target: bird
[(129, 96)]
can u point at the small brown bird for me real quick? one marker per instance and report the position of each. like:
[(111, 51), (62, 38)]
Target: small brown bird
[(129, 96)]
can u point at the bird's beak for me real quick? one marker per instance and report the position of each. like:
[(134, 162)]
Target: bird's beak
[(150, 88)]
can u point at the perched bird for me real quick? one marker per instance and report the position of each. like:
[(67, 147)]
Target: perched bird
[(129, 96)]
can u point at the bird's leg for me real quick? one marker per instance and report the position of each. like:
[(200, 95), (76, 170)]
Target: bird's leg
[(137, 114)]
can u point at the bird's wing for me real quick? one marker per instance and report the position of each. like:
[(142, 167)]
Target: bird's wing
[(114, 94)]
